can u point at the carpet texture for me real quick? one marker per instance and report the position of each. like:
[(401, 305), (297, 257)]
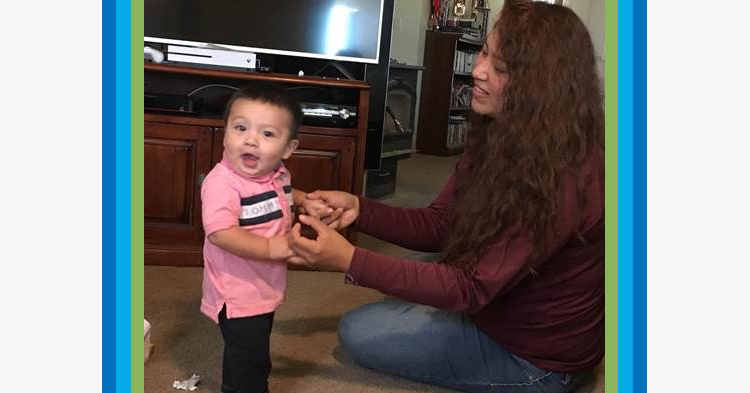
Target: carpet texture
[(304, 347)]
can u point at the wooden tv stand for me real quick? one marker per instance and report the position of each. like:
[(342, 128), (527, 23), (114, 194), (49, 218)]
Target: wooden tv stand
[(179, 150)]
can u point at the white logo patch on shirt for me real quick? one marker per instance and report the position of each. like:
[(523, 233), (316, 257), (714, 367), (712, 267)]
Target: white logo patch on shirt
[(263, 207)]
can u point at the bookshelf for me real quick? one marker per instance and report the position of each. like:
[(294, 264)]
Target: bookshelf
[(446, 92)]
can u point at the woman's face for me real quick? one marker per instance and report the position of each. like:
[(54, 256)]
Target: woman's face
[(490, 77)]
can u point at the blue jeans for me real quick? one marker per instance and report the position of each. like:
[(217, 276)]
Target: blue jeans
[(441, 348)]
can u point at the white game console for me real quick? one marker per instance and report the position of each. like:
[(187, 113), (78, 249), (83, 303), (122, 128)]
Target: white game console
[(155, 55), (210, 56)]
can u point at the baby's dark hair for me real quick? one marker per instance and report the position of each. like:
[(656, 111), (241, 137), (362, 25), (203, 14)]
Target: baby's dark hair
[(269, 93)]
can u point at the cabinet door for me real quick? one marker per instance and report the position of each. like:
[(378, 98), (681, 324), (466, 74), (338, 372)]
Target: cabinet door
[(323, 162), (176, 158)]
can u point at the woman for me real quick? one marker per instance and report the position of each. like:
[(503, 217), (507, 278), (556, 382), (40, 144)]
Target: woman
[(516, 302)]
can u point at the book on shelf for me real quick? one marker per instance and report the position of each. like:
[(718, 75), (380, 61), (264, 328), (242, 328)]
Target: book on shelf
[(463, 61), (461, 94), (457, 131)]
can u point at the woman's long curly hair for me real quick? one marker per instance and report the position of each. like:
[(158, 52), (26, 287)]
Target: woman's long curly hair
[(551, 120)]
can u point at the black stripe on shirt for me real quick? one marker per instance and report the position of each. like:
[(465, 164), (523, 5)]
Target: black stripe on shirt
[(251, 200), (261, 219)]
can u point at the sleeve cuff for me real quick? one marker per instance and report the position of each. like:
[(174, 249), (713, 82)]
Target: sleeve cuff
[(210, 228), (356, 267), (364, 212)]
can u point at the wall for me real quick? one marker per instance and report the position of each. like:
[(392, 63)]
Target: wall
[(409, 24), (410, 19), (595, 23), (495, 6), (592, 14)]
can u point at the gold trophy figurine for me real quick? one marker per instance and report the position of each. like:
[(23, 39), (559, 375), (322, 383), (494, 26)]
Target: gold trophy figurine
[(459, 9)]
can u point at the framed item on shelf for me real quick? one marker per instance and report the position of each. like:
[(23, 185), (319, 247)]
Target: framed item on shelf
[(462, 16)]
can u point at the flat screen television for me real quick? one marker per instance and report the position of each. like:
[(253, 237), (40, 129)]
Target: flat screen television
[(345, 30)]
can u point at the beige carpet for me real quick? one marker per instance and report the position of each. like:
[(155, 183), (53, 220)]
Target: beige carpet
[(304, 347), (305, 352)]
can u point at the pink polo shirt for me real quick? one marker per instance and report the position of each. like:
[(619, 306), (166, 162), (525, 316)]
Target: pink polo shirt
[(260, 205)]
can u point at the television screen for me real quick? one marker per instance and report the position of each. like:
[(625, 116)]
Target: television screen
[(347, 30)]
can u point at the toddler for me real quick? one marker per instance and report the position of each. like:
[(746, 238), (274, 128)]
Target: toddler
[(248, 202)]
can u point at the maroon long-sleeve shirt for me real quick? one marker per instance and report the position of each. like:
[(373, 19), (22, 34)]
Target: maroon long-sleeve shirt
[(554, 319)]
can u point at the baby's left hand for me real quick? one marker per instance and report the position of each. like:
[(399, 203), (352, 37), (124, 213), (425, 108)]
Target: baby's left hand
[(318, 208), (278, 248)]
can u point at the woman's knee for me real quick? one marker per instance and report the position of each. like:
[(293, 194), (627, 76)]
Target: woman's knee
[(366, 333), (353, 332), (348, 328)]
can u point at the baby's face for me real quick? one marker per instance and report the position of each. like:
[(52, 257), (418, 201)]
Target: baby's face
[(256, 137)]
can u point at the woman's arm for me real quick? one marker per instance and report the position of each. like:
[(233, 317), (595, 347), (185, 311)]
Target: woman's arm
[(421, 229), (440, 285), (500, 267), (434, 284)]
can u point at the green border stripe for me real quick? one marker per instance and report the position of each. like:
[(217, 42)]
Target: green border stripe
[(136, 76), (610, 255)]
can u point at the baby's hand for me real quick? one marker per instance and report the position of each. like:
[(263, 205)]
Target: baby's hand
[(345, 205), (317, 208), (278, 248)]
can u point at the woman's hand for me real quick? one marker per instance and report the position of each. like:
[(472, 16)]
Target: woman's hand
[(316, 208), (330, 251), (347, 205), (319, 209)]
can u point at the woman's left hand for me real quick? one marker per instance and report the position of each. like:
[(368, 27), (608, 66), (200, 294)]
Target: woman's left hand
[(330, 251)]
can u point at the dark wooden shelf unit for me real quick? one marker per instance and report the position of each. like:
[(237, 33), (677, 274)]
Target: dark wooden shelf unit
[(437, 133)]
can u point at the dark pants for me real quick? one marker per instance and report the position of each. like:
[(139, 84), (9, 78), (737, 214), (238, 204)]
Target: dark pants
[(247, 362)]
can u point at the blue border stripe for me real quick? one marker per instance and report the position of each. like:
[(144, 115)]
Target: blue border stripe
[(122, 197), (108, 285), (625, 196), (639, 196)]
